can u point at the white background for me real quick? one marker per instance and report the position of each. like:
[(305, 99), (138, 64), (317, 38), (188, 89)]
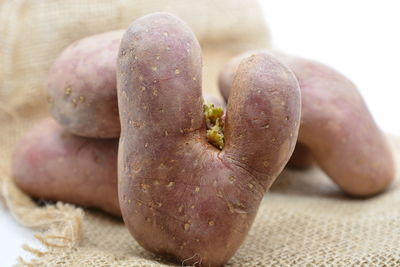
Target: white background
[(359, 38)]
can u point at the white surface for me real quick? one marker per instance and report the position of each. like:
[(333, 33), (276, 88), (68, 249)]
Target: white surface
[(359, 38), (12, 236)]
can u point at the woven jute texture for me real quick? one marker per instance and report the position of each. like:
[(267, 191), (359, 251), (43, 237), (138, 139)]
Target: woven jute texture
[(305, 220)]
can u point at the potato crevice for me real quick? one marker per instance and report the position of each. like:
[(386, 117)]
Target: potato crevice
[(215, 125)]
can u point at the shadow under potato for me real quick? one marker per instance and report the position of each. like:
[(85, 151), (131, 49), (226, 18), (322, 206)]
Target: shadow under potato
[(41, 202), (311, 182)]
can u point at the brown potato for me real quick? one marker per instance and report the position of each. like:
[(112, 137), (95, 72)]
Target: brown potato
[(180, 196), (50, 163), (336, 127), (82, 87)]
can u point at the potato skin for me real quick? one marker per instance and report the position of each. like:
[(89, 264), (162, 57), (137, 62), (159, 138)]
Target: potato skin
[(336, 127), (52, 164), (181, 197), (82, 87)]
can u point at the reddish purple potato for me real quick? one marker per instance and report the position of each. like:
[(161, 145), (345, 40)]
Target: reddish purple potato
[(82, 87), (336, 129), (50, 163), (180, 196)]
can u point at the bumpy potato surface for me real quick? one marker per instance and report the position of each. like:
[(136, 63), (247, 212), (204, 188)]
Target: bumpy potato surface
[(50, 163), (180, 196), (336, 129)]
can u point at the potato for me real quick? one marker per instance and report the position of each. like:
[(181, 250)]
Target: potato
[(82, 87), (180, 196), (50, 163), (336, 127)]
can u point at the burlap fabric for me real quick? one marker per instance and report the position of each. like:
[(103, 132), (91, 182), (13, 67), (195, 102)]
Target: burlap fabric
[(304, 220)]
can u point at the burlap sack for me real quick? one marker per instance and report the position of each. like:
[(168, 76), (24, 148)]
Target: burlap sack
[(305, 220)]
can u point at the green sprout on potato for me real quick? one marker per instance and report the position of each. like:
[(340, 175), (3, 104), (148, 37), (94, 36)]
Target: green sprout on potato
[(215, 124)]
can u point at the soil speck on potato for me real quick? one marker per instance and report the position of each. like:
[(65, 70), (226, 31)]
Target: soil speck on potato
[(68, 91)]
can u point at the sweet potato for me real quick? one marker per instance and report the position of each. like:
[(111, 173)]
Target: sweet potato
[(336, 127), (82, 87), (50, 163), (180, 196)]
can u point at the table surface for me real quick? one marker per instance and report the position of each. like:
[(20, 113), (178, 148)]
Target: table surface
[(359, 38), (12, 237)]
